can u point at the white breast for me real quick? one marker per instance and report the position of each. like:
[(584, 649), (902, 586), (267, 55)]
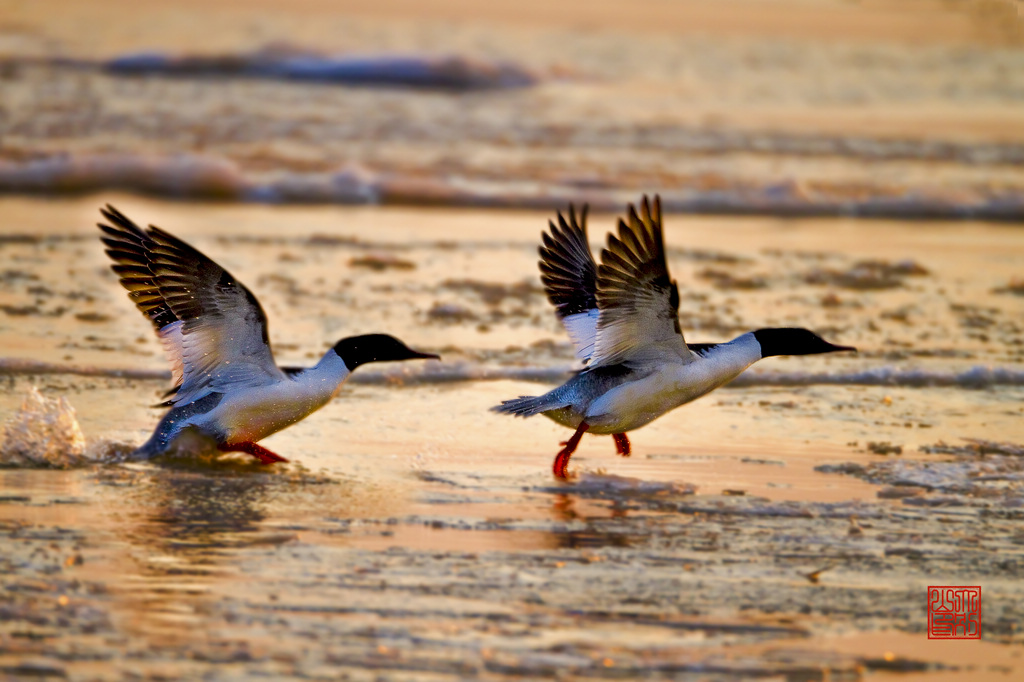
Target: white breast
[(250, 415), (640, 402)]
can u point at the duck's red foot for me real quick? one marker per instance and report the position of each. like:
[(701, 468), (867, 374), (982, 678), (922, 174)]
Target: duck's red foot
[(258, 451), (621, 444), (561, 465)]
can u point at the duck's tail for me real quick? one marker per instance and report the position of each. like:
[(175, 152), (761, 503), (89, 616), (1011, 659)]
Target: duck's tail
[(528, 405)]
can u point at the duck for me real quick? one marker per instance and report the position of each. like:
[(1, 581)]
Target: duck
[(227, 390), (622, 317)]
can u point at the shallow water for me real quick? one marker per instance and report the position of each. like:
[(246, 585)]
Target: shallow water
[(418, 535), (743, 108), (786, 526)]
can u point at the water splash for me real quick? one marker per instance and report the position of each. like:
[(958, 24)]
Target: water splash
[(44, 432)]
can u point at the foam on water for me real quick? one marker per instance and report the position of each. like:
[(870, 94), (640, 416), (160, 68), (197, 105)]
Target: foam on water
[(194, 176), (977, 377), (207, 176)]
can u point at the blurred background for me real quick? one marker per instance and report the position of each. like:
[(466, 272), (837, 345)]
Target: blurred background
[(909, 109)]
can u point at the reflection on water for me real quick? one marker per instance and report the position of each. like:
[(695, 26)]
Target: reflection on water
[(179, 531), (194, 515), (594, 536), (179, 568)]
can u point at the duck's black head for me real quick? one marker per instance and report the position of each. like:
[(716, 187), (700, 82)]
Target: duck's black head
[(359, 350), (794, 341)]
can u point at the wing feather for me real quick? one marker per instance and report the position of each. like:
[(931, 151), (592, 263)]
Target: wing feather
[(569, 274), (638, 302), (213, 328), (128, 246)]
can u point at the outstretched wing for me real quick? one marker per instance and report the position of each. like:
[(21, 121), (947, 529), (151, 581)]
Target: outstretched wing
[(639, 304), (213, 328), (569, 275), (129, 246)]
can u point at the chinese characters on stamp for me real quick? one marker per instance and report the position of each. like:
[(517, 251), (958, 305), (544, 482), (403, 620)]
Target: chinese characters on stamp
[(954, 612)]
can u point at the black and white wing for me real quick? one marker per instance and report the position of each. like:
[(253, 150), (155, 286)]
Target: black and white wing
[(569, 275), (639, 304), (212, 327)]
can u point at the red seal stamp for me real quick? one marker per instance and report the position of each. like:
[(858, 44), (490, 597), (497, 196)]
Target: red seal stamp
[(954, 612)]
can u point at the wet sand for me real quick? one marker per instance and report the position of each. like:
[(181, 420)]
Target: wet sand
[(418, 536)]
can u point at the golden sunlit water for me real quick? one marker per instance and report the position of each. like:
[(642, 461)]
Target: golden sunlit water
[(850, 167)]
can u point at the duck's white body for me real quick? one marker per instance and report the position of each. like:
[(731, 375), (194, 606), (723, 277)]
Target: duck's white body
[(623, 320), (250, 415), (645, 395), (253, 415), (227, 387)]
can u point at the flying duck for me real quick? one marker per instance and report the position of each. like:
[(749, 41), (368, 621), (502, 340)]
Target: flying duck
[(623, 319), (226, 386)]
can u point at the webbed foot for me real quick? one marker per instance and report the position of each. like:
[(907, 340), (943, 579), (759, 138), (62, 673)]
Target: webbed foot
[(264, 455), (561, 464)]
